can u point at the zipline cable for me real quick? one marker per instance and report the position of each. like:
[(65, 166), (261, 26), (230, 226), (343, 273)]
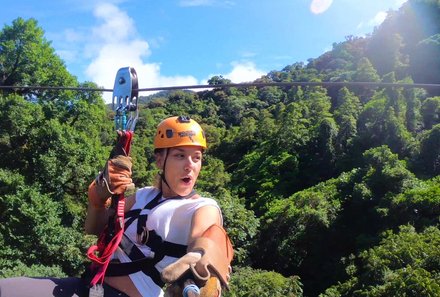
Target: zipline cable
[(236, 85), (291, 84)]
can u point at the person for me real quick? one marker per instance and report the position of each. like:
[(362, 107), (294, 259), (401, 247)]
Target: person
[(172, 234)]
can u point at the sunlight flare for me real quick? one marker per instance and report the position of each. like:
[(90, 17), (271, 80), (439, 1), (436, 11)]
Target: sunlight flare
[(320, 6)]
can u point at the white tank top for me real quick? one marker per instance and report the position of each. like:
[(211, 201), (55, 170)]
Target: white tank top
[(171, 220)]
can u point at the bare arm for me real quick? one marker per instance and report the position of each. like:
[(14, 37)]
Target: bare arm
[(203, 218)]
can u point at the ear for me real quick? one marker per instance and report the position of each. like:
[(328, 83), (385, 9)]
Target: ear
[(160, 157), (159, 161)]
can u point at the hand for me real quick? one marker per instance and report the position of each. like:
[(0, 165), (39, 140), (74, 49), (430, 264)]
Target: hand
[(174, 271), (217, 253), (115, 179), (117, 175)]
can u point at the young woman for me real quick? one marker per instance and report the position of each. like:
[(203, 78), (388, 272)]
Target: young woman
[(160, 222)]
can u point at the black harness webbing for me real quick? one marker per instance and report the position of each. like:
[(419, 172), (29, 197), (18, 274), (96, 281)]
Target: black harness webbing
[(150, 238)]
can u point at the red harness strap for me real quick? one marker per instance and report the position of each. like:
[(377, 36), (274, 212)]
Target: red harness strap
[(108, 241)]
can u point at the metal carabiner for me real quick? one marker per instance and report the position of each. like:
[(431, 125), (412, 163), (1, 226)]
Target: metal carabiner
[(125, 99)]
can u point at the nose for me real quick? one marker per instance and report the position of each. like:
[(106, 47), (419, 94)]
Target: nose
[(189, 164)]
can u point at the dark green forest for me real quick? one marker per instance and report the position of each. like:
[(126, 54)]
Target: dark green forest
[(326, 190)]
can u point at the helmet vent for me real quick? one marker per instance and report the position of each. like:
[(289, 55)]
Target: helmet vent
[(184, 119), (169, 133)]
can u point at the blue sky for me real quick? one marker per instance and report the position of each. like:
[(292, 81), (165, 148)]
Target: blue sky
[(185, 42)]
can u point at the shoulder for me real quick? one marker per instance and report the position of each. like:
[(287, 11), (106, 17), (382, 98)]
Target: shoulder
[(208, 207), (143, 196), (204, 201), (147, 191)]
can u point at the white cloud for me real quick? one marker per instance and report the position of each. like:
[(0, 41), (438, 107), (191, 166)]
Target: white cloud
[(71, 35), (244, 72), (114, 44), (241, 72), (398, 3), (375, 21), (320, 6), (116, 26), (378, 18), (68, 55)]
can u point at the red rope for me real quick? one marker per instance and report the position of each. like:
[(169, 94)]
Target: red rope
[(101, 253)]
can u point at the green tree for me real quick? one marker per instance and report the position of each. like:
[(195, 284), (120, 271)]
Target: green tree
[(385, 50), (385, 173), (241, 224), (428, 160), (272, 95), (419, 205), (52, 144), (348, 108), (413, 111), (262, 177), (365, 72), (247, 282), (379, 125), (45, 242), (431, 112), (28, 59), (295, 236), (425, 62), (218, 80), (403, 264)]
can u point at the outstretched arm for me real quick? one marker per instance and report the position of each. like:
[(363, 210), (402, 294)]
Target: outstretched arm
[(204, 218)]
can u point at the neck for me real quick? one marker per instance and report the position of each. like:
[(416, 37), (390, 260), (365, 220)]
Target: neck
[(168, 194)]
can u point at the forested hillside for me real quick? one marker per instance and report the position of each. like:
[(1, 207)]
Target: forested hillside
[(326, 191)]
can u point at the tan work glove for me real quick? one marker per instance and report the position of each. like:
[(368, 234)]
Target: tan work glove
[(114, 180), (174, 271), (217, 254), (209, 255)]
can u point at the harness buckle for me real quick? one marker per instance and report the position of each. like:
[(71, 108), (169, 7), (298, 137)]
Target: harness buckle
[(96, 291)]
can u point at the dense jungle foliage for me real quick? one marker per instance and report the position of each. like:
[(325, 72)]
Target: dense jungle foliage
[(325, 191)]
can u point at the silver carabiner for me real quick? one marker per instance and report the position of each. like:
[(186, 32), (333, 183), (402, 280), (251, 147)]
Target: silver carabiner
[(125, 99)]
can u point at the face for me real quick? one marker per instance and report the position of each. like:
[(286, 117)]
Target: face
[(182, 169)]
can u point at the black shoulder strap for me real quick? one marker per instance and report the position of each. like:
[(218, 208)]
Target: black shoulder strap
[(141, 263), (160, 247), (133, 214)]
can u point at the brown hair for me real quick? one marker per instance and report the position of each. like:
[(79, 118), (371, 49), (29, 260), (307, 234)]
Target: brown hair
[(158, 179)]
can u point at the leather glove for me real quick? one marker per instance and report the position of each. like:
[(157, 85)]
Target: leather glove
[(215, 261), (114, 180), (212, 288), (174, 271), (209, 255)]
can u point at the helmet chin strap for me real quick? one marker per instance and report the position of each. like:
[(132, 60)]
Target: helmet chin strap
[(162, 174)]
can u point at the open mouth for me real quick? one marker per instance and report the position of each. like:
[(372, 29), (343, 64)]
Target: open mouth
[(186, 180)]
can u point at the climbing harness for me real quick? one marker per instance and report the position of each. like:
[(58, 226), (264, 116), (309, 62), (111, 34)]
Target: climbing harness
[(159, 247), (125, 106)]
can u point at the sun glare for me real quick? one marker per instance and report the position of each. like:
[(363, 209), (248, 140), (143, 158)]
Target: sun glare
[(319, 6)]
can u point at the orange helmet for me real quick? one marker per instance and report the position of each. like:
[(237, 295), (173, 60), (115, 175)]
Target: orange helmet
[(179, 131)]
